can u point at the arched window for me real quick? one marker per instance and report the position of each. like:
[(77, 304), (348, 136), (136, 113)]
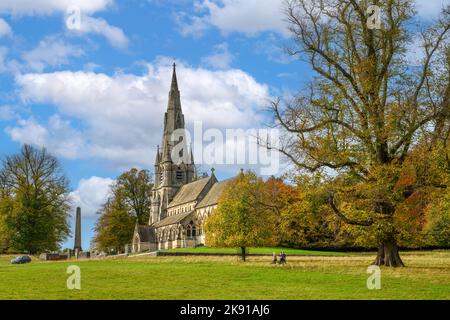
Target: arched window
[(194, 231), (189, 231)]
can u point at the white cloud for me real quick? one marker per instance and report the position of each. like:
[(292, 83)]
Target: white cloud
[(251, 17), (5, 29), (91, 194), (56, 135), (42, 7), (114, 35), (51, 52), (122, 115), (29, 132), (245, 16), (220, 59), (87, 8)]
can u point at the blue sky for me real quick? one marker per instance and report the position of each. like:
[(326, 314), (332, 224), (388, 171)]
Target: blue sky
[(95, 95)]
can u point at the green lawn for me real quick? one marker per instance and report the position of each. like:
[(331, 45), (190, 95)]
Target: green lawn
[(288, 251), (427, 276)]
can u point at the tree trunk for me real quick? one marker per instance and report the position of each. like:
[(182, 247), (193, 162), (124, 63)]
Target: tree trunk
[(388, 255), (243, 254)]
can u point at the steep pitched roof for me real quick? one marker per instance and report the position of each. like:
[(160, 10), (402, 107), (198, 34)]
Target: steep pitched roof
[(191, 192), (172, 220), (213, 196)]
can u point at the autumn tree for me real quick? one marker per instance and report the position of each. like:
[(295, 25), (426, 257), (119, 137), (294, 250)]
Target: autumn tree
[(303, 218), (367, 107), (243, 218), (34, 202), (128, 204)]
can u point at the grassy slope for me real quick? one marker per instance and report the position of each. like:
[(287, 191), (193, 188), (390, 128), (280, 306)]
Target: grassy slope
[(426, 277)]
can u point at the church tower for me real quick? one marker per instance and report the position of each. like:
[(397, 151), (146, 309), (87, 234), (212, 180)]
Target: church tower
[(174, 163)]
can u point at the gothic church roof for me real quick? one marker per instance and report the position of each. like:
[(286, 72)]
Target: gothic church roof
[(172, 220), (192, 191), (213, 196)]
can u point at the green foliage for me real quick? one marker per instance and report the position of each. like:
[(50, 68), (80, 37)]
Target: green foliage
[(303, 219), (128, 204), (34, 202), (134, 188), (114, 228), (438, 226), (243, 217), (440, 232)]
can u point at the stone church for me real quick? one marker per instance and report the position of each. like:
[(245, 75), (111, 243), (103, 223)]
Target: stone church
[(181, 202)]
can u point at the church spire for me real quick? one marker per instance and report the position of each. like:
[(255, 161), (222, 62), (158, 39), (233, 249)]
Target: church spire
[(174, 93), (174, 85), (170, 175), (174, 118)]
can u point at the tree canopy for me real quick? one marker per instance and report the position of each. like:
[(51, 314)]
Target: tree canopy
[(369, 110), (244, 217), (128, 204), (34, 202)]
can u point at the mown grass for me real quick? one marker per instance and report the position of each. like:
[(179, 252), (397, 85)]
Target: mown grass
[(427, 276), (265, 250)]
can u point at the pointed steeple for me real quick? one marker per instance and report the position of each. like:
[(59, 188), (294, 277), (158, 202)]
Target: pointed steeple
[(169, 175), (174, 118), (174, 93), (174, 85)]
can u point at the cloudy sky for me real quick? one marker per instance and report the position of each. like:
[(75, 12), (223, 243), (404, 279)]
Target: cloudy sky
[(94, 93)]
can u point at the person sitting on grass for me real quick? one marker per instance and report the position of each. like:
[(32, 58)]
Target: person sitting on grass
[(275, 260), (282, 258)]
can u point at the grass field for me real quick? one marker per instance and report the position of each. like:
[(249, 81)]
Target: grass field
[(427, 276), (288, 251)]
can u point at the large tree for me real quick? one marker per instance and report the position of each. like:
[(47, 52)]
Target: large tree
[(34, 202), (244, 217), (128, 204), (115, 226), (367, 106), (135, 187)]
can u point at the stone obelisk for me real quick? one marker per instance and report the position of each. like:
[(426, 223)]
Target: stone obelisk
[(77, 247)]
